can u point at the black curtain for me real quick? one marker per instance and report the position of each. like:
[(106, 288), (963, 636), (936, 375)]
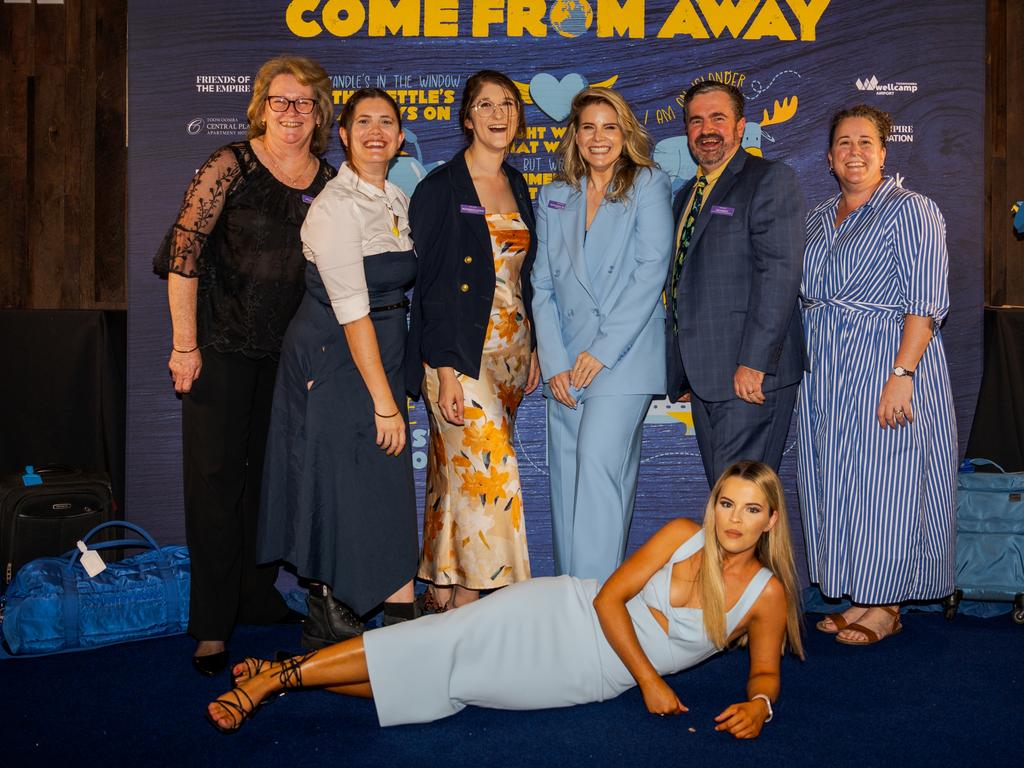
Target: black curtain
[(998, 431), (62, 391)]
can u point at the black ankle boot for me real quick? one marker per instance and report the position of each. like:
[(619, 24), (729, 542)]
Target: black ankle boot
[(329, 621)]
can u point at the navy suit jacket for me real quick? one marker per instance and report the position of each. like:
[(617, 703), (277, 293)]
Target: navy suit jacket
[(737, 294), (451, 303)]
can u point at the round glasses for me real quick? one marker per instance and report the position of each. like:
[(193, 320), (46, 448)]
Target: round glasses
[(488, 108), (281, 104)]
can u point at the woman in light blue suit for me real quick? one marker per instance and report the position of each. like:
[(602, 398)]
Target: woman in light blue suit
[(605, 242)]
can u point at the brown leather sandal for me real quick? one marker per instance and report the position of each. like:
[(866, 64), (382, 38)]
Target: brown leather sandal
[(872, 636), (839, 623)]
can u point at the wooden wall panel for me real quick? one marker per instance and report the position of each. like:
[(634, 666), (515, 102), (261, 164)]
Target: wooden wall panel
[(16, 34), (1004, 152), (1014, 189), (110, 156), (62, 73), (995, 148)]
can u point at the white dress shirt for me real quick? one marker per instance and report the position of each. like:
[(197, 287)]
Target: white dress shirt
[(348, 221)]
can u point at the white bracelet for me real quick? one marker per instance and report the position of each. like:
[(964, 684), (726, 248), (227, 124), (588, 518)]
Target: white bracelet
[(767, 702)]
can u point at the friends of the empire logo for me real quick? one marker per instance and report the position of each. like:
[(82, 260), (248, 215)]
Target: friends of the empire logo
[(697, 19)]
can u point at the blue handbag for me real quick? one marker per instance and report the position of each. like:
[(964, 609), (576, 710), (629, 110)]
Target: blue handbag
[(990, 536), (53, 605)]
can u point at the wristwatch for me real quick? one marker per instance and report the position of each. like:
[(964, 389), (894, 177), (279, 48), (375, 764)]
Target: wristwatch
[(899, 370)]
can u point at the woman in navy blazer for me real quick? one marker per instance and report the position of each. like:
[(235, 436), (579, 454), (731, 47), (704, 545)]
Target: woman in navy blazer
[(605, 242), (471, 348)]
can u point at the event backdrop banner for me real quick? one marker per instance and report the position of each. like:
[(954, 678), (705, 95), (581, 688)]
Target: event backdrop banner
[(192, 64)]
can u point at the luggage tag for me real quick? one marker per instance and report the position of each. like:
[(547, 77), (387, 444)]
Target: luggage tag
[(91, 560), (31, 477)]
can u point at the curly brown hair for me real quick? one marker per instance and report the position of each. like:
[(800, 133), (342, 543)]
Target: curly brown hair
[(881, 120)]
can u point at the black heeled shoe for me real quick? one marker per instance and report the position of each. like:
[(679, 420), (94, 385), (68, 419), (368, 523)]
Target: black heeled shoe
[(210, 665)]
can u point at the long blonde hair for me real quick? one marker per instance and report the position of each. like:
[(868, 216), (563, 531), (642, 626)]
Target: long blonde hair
[(774, 551), (636, 144)]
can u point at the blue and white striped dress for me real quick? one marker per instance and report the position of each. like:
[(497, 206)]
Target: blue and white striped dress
[(877, 504)]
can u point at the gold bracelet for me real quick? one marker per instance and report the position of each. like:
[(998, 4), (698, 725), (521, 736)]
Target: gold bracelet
[(184, 351)]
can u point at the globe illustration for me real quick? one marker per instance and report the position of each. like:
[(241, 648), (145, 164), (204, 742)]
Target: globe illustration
[(571, 18)]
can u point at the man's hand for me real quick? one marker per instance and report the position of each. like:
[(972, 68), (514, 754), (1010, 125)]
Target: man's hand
[(746, 382)]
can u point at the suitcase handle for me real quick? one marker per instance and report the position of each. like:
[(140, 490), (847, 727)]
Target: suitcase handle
[(986, 463), (66, 469), (146, 540)]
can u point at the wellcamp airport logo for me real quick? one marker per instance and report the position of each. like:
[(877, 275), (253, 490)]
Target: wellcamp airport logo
[(884, 89)]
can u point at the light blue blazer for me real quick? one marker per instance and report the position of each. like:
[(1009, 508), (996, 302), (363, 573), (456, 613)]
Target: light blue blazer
[(603, 293)]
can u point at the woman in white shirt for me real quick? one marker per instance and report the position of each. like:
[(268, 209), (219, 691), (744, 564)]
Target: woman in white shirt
[(338, 501)]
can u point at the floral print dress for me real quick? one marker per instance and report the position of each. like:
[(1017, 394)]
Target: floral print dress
[(474, 533)]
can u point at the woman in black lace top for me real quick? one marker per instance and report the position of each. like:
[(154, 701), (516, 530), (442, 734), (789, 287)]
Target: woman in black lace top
[(234, 267)]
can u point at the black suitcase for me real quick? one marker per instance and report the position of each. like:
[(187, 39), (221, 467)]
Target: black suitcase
[(46, 519)]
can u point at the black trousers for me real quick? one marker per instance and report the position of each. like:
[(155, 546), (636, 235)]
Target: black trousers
[(224, 432), (734, 429)]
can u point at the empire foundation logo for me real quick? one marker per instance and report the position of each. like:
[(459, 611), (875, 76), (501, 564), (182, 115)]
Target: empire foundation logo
[(885, 89), (902, 133), (696, 19)]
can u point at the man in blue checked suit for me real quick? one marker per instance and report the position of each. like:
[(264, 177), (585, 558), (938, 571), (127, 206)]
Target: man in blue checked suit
[(735, 339)]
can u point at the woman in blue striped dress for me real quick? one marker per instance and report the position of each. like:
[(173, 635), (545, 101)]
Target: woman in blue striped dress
[(877, 436)]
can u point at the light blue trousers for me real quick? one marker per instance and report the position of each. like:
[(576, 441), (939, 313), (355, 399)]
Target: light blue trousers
[(593, 460)]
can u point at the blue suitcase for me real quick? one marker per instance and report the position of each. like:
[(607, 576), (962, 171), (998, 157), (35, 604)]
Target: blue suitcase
[(990, 537)]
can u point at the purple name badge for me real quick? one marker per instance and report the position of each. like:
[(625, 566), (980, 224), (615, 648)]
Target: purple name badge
[(477, 209), (307, 199), (722, 210), (556, 204)]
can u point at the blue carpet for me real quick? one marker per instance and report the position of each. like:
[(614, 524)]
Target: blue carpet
[(941, 693)]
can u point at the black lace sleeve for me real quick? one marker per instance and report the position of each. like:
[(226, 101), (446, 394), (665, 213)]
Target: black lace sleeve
[(182, 250)]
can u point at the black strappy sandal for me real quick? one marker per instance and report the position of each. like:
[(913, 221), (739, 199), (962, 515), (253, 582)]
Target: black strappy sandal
[(253, 667), (235, 701)]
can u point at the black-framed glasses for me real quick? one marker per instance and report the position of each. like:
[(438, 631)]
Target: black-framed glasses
[(488, 108), (281, 104)]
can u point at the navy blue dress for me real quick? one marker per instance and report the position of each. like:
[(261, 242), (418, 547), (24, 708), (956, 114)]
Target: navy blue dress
[(334, 505)]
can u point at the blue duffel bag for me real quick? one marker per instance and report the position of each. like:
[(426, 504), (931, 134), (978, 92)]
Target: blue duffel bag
[(53, 605), (990, 536)]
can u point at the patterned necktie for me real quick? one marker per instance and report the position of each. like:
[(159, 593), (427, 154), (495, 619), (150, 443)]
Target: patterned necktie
[(684, 243)]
